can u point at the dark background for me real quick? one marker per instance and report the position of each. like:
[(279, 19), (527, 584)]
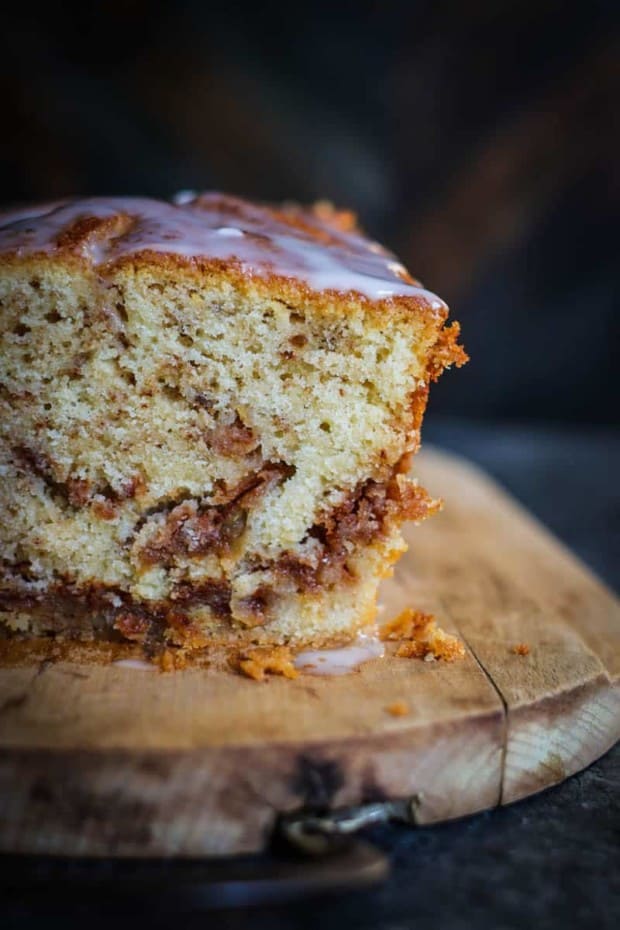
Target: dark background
[(478, 139)]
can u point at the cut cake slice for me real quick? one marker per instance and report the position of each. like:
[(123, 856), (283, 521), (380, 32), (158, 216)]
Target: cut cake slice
[(208, 414)]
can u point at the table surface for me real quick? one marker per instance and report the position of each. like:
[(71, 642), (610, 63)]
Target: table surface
[(552, 861)]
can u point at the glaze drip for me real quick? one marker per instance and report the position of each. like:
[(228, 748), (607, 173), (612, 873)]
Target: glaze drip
[(341, 661)]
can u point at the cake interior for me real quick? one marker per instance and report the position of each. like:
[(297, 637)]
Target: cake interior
[(186, 458)]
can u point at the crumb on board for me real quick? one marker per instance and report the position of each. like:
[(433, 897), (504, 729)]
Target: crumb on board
[(398, 709), (521, 649), (171, 660), (267, 660), (409, 624), (420, 638)]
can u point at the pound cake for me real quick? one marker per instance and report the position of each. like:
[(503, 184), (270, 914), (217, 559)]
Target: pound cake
[(208, 414)]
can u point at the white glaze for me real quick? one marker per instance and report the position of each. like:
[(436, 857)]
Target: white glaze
[(138, 664), (182, 197), (341, 661), (212, 226), (229, 231)]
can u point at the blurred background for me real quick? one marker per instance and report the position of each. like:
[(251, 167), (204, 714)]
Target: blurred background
[(479, 140)]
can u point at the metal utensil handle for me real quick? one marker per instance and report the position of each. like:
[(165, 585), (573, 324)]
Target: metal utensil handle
[(318, 833)]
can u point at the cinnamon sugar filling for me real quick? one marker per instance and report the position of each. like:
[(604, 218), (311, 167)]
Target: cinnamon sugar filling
[(365, 517)]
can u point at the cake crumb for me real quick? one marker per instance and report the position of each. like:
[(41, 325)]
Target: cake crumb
[(398, 709), (521, 649), (421, 638), (267, 660), (166, 661), (443, 646), (411, 649), (409, 624), (172, 660)]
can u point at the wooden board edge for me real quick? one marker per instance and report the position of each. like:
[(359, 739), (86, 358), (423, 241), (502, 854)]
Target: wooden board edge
[(153, 803), (555, 738)]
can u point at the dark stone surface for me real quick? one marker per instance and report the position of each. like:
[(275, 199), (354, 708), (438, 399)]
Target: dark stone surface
[(552, 861)]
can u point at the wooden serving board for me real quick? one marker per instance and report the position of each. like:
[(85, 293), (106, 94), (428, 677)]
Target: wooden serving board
[(105, 760)]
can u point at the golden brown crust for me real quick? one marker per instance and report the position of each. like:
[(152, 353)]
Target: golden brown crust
[(294, 254), (446, 352)]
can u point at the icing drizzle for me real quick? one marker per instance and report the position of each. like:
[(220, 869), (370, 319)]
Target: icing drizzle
[(289, 243)]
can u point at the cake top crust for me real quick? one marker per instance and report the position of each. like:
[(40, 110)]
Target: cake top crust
[(320, 246)]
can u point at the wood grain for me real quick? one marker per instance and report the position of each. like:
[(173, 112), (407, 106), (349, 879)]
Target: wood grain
[(104, 760), (513, 582)]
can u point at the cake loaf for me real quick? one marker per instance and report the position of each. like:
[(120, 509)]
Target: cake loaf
[(208, 414)]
